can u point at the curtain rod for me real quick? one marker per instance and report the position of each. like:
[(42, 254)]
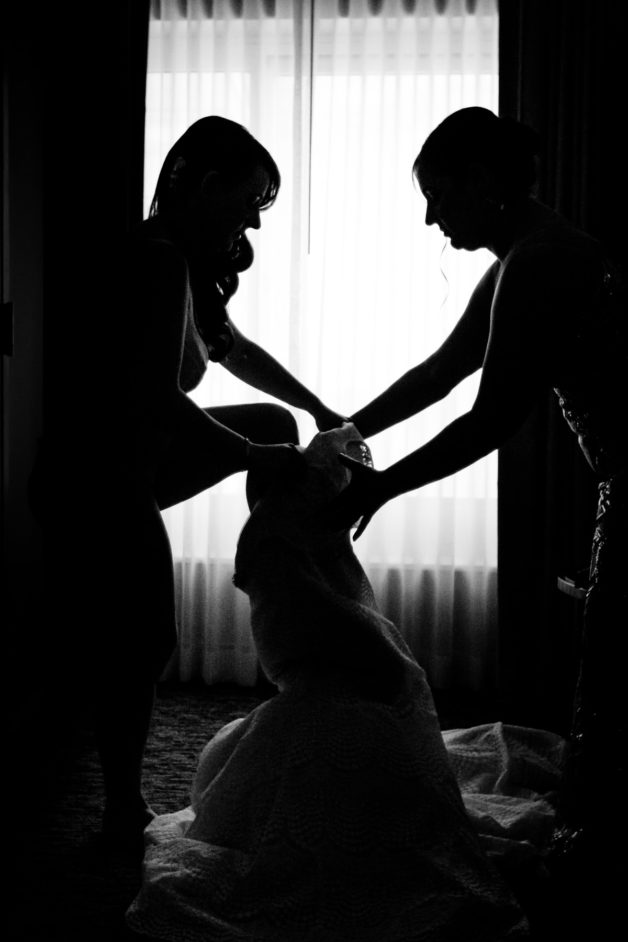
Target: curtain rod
[(242, 8)]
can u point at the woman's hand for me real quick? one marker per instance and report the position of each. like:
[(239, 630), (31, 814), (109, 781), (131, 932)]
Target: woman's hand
[(327, 419), (360, 500)]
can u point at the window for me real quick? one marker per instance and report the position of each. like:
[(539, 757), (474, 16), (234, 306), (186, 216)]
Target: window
[(349, 288)]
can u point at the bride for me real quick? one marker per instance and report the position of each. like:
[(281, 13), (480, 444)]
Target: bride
[(330, 813)]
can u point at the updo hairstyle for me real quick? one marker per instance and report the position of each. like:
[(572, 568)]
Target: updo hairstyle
[(477, 136)]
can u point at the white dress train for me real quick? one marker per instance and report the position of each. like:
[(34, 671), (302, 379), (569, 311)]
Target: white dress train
[(331, 812)]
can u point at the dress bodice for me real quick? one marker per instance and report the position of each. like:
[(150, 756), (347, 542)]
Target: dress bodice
[(313, 613)]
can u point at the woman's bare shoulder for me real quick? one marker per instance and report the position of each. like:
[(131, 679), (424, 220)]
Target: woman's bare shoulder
[(559, 242), (149, 239), (151, 256), (559, 260)]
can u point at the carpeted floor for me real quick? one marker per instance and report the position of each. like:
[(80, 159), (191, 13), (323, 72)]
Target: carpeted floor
[(61, 889)]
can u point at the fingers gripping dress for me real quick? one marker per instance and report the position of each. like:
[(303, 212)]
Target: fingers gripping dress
[(330, 812)]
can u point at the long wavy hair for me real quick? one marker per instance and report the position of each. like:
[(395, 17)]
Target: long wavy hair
[(215, 144), (212, 143)]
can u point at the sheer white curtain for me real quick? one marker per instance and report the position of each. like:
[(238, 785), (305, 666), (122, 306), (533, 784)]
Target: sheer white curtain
[(349, 288)]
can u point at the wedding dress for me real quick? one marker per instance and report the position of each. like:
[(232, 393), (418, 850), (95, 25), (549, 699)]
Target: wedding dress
[(331, 812)]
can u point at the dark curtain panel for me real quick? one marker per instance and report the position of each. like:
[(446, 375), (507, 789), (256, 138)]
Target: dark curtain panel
[(562, 70), (93, 63), (86, 68), (95, 81)]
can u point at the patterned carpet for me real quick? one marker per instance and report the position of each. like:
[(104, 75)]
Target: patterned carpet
[(65, 891)]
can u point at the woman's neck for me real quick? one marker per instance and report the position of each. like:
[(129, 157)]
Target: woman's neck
[(199, 264), (517, 222)]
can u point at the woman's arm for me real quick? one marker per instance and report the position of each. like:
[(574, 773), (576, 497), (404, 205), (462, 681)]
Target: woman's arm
[(514, 374), (460, 355), (255, 366)]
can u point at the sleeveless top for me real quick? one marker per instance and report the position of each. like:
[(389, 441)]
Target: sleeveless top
[(594, 372), (207, 333), (591, 350), (196, 353)]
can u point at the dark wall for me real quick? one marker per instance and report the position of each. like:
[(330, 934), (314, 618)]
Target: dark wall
[(22, 359), (74, 99)]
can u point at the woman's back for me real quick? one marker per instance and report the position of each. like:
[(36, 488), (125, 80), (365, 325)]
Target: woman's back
[(588, 336)]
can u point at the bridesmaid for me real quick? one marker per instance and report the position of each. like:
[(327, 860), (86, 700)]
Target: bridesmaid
[(146, 445), (550, 313)]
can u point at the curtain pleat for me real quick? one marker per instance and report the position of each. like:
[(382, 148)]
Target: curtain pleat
[(349, 288), (238, 8)]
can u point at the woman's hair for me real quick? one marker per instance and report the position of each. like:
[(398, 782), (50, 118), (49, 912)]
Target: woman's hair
[(212, 143), (477, 136)]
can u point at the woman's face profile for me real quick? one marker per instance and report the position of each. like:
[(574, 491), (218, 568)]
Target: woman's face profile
[(228, 210), (456, 208)]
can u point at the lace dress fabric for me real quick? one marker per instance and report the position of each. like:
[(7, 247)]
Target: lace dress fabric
[(593, 400), (592, 375), (331, 812)]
